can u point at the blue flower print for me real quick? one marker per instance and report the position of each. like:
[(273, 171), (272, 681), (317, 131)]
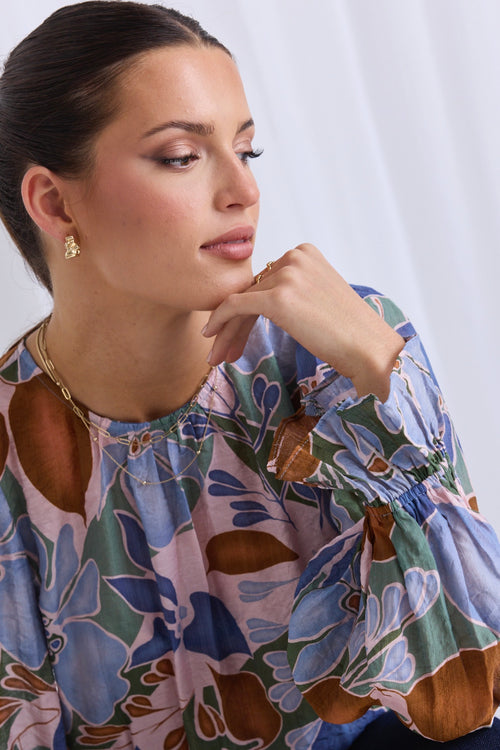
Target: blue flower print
[(19, 631), (99, 685)]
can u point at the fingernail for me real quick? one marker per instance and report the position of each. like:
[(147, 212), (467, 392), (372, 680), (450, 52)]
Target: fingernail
[(203, 330), (209, 358)]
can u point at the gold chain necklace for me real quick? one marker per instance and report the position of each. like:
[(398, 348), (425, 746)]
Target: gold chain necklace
[(95, 429)]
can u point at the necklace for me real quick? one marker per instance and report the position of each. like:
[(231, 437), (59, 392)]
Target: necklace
[(95, 429)]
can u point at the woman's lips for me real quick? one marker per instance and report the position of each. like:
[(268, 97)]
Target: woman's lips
[(237, 244)]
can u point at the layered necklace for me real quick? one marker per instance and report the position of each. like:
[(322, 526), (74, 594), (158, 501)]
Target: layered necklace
[(95, 430)]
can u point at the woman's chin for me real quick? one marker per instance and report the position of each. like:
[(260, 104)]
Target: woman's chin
[(236, 285)]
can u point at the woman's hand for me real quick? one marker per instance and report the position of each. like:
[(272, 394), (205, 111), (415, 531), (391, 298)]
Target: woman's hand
[(303, 294)]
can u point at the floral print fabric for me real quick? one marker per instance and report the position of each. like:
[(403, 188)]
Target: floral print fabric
[(158, 616)]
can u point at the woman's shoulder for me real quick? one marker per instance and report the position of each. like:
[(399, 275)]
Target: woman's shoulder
[(18, 383), (16, 364)]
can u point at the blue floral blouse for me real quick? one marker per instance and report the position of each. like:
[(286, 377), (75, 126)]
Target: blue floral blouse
[(265, 570)]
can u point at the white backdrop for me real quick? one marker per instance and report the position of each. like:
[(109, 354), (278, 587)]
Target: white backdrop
[(380, 121)]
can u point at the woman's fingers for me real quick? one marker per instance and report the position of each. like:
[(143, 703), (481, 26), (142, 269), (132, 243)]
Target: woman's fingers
[(274, 294), (231, 339), (234, 306), (259, 299), (304, 295), (233, 320)]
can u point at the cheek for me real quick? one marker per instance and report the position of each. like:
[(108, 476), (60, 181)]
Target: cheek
[(156, 211), (176, 220), (127, 208)]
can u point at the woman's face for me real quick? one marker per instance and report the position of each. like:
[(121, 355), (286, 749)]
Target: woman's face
[(169, 213)]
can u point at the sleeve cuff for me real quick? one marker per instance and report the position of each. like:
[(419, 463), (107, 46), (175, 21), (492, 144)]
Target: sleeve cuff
[(378, 449)]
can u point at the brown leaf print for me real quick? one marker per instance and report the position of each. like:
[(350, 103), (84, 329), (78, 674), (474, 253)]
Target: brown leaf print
[(290, 456), (176, 740), (25, 680), (216, 718), (352, 603), (236, 552), (378, 465), (7, 707), (140, 706), (246, 709), (473, 503), (332, 703), (461, 693), (95, 736), (207, 726), (52, 444), (163, 669), (378, 525)]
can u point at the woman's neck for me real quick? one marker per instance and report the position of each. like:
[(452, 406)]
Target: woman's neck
[(133, 366)]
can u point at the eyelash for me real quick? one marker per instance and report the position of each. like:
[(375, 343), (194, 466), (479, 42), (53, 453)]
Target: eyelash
[(253, 154), (183, 161), (179, 161)]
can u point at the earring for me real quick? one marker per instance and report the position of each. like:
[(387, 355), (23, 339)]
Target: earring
[(72, 249)]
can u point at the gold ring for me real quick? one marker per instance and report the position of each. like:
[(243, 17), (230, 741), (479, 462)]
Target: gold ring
[(257, 279)]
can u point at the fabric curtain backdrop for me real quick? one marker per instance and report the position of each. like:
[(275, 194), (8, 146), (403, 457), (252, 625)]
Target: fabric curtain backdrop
[(380, 123)]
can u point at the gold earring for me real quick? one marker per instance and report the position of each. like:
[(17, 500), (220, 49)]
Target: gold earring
[(72, 249)]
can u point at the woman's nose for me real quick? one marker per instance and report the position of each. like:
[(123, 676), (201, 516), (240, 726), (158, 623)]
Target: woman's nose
[(237, 185)]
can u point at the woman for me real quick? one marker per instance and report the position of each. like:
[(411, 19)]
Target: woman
[(175, 468)]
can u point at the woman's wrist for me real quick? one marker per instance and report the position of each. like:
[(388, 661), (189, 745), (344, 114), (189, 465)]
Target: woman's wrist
[(372, 374)]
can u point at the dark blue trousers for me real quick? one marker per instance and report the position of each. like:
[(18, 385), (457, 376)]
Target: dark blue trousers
[(387, 733)]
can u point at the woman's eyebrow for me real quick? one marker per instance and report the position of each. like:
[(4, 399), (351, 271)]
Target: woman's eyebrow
[(199, 128)]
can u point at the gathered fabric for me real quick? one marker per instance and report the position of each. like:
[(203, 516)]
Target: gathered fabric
[(322, 559)]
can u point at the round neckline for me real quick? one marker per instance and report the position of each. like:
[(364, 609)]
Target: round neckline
[(117, 427)]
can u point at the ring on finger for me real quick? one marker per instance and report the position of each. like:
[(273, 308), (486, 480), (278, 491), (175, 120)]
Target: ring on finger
[(258, 278)]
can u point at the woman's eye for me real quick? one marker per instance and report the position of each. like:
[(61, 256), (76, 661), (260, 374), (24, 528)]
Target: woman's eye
[(244, 156), (178, 161)]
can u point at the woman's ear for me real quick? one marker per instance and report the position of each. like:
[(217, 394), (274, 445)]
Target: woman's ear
[(43, 197)]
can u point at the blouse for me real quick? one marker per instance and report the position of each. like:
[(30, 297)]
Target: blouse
[(267, 568)]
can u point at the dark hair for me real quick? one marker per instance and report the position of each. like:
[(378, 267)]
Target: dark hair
[(58, 91)]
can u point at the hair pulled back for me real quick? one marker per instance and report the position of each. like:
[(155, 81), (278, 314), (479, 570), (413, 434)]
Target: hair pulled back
[(58, 91)]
